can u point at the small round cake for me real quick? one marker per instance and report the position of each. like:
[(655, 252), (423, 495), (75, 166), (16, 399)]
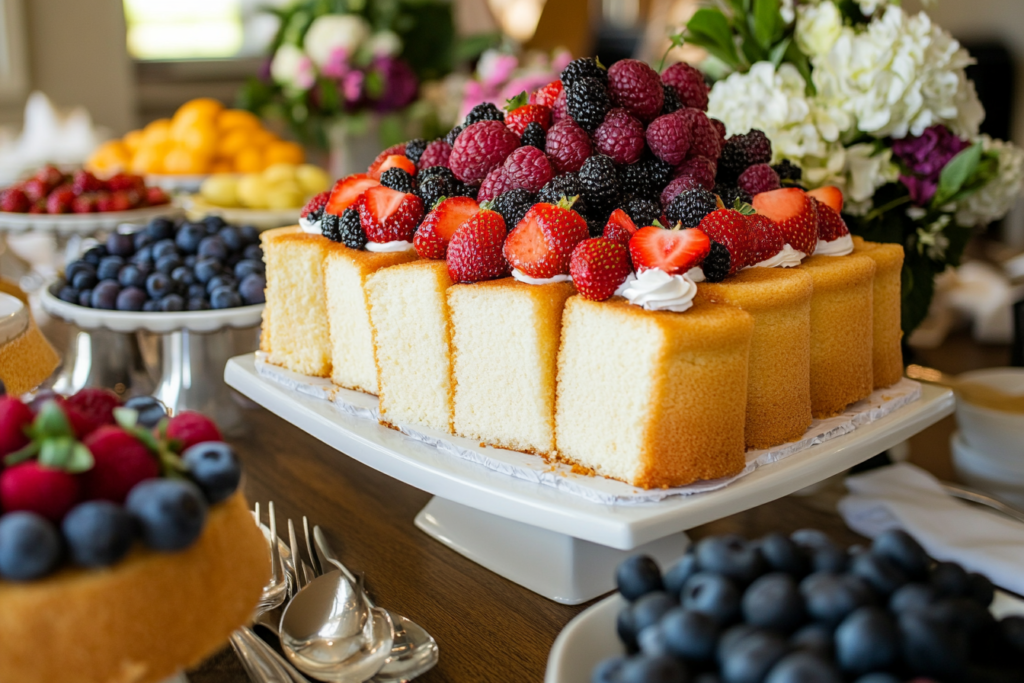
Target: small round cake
[(887, 351)]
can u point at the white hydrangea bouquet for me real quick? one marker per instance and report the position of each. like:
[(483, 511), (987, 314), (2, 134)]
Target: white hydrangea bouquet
[(862, 95)]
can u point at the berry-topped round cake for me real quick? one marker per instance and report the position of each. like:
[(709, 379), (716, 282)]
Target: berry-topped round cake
[(127, 553), (598, 274)]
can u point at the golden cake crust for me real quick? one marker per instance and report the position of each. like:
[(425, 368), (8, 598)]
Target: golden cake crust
[(27, 360), (141, 620), (887, 352), (779, 370)]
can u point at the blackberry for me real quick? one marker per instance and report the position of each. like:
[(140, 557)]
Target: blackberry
[(397, 179), (461, 189), (740, 152), (583, 68), (587, 102), (452, 134), (690, 207), (485, 111), (672, 101), (600, 181), (646, 178), (329, 227), (787, 170), (566, 185), (595, 225), (642, 210), (433, 188), (414, 149), (730, 193), (442, 171), (350, 231), (717, 263), (534, 136), (513, 205)]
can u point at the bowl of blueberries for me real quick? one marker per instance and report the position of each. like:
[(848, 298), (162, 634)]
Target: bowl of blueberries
[(166, 275)]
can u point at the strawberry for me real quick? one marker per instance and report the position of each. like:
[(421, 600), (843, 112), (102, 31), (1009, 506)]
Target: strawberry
[(541, 245), (82, 182), (474, 253), (14, 200), (35, 189), (315, 205), (379, 161), (15, 416), (547, 95), (598, 266), (674, 250), (347, 190), (85, 203), (620, 227), (729, 228), (520, 114), (830, 224), (38, 207), (389, 215), (829, 195), (104, 201), (794, 211), (767, 238), (394, 161), (155, 196), (123, 201), (440, 224), (190, 428), (59, 201), (125, 182), (50, 175), (120, 461), (29, 486), (96, 407)]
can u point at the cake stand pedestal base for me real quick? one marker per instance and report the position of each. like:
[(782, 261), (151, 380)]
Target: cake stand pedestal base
[(559, 567), (102, 358)]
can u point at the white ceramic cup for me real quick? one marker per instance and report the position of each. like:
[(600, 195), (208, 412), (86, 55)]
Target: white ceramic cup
[(981, 471), (998, 434)]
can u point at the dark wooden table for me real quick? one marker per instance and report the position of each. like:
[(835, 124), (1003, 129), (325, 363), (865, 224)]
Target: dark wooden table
[(488, 628)]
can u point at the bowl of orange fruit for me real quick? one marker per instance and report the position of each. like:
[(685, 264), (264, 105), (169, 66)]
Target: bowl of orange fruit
[(203, 137)]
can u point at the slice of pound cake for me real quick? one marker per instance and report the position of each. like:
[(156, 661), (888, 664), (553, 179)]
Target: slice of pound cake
[(411, 340), (887, 352), (655, 399)]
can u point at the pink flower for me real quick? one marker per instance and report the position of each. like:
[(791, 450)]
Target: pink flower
[(352, 86), (336, 66)]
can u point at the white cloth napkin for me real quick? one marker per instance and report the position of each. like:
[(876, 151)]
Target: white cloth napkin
[(907, 497)]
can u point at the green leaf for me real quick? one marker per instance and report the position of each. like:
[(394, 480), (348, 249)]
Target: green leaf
[(778, 52), (766, 22), (81, 459), (471, 47), (796, 57), (55, 453), (26, 453), (956, 173), (126, 418), (710, 29), (51, 422), (514, 103)]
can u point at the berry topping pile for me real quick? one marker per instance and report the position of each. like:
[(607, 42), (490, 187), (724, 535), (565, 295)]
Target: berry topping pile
[(83, 478), (799, 608), (52, 191)]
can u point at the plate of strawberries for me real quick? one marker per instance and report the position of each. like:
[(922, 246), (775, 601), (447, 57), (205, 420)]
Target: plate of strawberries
[(79, 202)]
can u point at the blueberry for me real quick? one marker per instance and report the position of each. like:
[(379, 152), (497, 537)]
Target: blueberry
[(131, 276), (151, 306), (930, 648), (214, 223), (815, 638), (784, 555), (830, 597), (607, 671), (949, 579), (94, 255), (68, 294), (160, 228), (731, 556), (191, 260), (29, 546), (731, 637), (625, 627), (150, 410), (644, 669), (84, 279), (165, 247), (214, 467), (143, 255), (880, 573), (206, 269), (253, 289), (225, 297), (676, 576), (878, 678), (159, 285), (1012, 630), (197, 305), (172, 303), (651, 607), (213, 247), (98, 533), (130, 299), (222, 280), (85, 297), (867, 640), (980, 589), (170, 512), (109, 267), (247, 267), (712, 594), (773, 601), (104, 295), (752, 657), (183, 276), (707, 677), (900, 548), (250, 234), (120, 244), (189, 236), (637, 576), (254, 252), (231, 238), (810, 538), (141, 239), (76, 267), (961, 613), (803, 667), (167, 264), (652, 641), (690, 635), (912, 597), (196, 291)]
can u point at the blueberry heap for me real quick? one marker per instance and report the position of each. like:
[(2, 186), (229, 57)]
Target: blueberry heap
[(800, 609), (168, 266)]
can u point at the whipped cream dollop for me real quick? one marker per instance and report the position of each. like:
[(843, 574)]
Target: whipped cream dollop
[(397, 245), (523, 277), (311, 227), (655, 290), (696, 274), (840, 246), (787, 258)]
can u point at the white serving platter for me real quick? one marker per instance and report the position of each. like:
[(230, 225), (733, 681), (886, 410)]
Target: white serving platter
[(81, 223), (264, 219), (176, 182)]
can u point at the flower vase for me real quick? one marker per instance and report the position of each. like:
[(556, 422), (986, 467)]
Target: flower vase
[(354, 144)]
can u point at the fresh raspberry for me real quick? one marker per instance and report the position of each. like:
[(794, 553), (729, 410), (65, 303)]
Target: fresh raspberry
[(621, 137), (86, 203), (496, 182), (520, 114), (720, 128), (31, 487), (390, 151), (315, 205), (703, 136), (759, 178), (700, 168), (15, 416), (480, 148), (669, 137), (59, 201), (548, 94), (598, 267), (15, 200), (677, 187), (635, 87), (96, 406), (190, 428), (527, 168), (729, 227), (474, 253), (768, 239), (568, 146), (120, 461), (437, 153), (559, 108), (689, 84), (83, 181)]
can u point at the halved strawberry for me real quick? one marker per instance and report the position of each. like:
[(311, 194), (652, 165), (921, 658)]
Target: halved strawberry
[(389, 215), (598, 266), (315, 205), (674, 251), (347, 190), (830, 224), (379, 161), (794, 212), (620, 227), (729, 228), (436, 231), (830, 195), (767, 238), (474, 253), (394, 161), (541, 245)]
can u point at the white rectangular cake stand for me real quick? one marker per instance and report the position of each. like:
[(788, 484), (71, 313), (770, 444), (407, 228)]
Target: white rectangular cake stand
[(557, 544)]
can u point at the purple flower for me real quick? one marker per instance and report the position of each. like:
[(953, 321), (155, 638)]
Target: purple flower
[(400, 84), (924, 157), (921, 189)]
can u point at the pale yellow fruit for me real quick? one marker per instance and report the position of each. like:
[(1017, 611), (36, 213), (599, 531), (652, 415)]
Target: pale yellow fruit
[(284, 197), (313, 179), (220, 189), (252, 191), (279, 173)]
